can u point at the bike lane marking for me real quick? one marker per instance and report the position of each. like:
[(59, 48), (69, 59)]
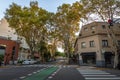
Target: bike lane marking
[(42, 74)]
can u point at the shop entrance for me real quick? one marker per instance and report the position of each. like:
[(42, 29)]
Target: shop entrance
[(108, 59), (89, 58)]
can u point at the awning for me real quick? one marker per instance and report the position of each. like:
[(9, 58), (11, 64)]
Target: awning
[(88, 54)]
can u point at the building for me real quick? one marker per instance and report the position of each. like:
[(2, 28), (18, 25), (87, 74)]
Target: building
[(9, 49), (9, 33), (94, 46)]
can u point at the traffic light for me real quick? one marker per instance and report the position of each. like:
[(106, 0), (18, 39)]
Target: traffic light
[(110, 21)]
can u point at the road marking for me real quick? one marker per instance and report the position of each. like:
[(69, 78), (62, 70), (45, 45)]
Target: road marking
[(22, 77), (53, 74), (117, 78), (99, 75), (29, 74), (34, 72), (64, 66), (38, 71), (94, 73), (50, 77)]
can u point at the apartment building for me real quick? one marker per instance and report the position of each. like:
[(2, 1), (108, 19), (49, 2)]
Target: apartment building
[(94, 46)]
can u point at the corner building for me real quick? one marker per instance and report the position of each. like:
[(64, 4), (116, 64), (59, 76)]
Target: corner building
[(94, 46)]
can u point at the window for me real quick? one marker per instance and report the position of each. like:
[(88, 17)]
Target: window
[(103, 26), (105, 43), (83, 45), (92, 43), (86, 29), (119, 42), (92, 27)]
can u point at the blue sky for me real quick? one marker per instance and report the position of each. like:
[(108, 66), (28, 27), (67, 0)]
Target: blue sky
[(49, 5)]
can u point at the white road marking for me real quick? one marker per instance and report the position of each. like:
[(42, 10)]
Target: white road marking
[(100, 75), (94, 73), (50, 77), (90, 74), (34, 72), (29, 74), (116, 78), (22, 77)]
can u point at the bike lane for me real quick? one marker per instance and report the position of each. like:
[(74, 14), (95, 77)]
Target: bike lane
[(42, 75)]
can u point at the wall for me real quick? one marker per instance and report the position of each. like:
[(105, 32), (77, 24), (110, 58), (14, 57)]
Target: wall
[(9, 49)]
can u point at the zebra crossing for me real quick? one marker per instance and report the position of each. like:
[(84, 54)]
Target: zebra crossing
[(92, 74)]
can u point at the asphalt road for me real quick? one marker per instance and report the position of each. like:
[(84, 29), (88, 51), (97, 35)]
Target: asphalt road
[(16, 73), (61, 72), (67, 73)]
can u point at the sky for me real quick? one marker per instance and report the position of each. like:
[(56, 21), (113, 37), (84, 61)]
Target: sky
[(49, 5)]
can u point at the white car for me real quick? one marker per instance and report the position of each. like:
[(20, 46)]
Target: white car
[(30, 61)]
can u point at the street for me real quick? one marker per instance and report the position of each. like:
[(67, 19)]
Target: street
[(57, 71), (17, 72)]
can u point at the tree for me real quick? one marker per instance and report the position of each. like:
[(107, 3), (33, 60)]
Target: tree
[(42, 48), (28, 22), (105, 9), (53, 35), (66, 22)]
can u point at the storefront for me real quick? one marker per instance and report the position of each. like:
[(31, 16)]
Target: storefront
[(89, 58)]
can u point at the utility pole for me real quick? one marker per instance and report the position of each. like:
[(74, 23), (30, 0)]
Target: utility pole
[(114, 41)]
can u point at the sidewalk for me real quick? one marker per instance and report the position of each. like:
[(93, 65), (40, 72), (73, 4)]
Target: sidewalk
[(8, 65)]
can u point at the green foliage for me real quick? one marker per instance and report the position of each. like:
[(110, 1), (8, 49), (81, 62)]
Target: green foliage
[(59, 54), (47, 56), (39, 26), (66, 22), (28, 22), (105, 9), (20, 61)]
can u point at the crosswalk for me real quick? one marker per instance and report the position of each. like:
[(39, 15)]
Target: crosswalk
[(92, 74)]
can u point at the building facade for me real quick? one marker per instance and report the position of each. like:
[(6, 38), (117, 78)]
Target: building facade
[(9, 49), (9, 33), (94, 46)]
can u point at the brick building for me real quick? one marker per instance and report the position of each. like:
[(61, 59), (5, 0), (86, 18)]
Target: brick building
[(8, 32), (10, 48)]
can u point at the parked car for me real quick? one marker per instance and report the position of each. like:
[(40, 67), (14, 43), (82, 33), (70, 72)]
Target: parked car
[(29, 61)]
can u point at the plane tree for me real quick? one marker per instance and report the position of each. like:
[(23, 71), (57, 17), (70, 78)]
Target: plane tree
[(28, 22), (66, 21)]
